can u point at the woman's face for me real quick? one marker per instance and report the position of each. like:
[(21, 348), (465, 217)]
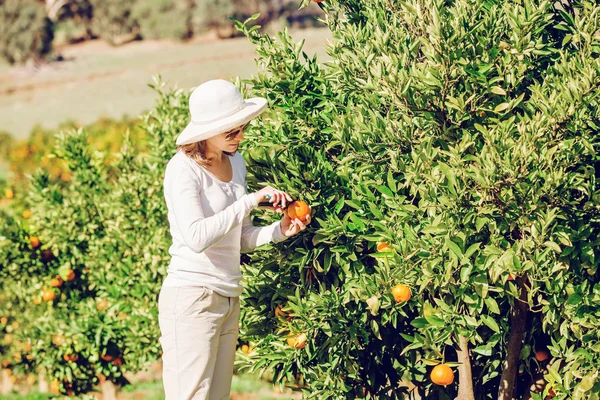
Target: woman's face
[(227, 141)]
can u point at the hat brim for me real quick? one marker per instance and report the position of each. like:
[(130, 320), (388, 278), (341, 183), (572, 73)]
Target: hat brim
[(195, 132)]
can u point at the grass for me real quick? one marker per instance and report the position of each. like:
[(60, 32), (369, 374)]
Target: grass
[(98, 80), (243, 387)]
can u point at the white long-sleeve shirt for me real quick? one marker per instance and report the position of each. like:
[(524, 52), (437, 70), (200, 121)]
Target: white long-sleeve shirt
[(210, 225)]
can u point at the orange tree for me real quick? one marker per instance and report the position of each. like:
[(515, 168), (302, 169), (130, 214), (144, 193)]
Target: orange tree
[(81, 275), (450, 147)]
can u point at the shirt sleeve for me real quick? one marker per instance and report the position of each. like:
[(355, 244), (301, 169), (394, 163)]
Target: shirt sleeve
[(255, 236), (200, 232)]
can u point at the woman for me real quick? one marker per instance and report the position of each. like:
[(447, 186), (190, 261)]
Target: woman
[(208, 212)]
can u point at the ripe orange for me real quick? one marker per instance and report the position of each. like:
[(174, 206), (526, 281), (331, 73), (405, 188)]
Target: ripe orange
[(9, 194), (542, 355), (107, 357), (3, 320), (27, 347), (70, 275), (298, 341), (245, 349), (298, 209), (384, 247), (279, 313), (442, 375), (102, 304), (56, 282), (71, 357), (117, 361), (8, 338), (55, 387), (37, 300), (48, 295), (34, 241), (58, 340), (27, 214), (401, 293)]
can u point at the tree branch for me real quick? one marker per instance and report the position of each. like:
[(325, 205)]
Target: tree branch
[(518, 319), (465, 377)]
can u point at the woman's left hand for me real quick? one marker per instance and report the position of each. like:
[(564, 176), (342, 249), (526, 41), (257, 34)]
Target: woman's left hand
[(291, 227)]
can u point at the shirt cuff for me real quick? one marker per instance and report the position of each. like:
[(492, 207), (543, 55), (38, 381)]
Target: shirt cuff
[(278, 236), (250, 201)]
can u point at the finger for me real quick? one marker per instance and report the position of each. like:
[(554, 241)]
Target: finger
[(278, 197), (308, 219), (283, 199), (300, 224)]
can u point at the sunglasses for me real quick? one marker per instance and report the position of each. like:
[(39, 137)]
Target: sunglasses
[(233, 133)]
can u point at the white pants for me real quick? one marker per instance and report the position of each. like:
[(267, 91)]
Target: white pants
[(199, 330)]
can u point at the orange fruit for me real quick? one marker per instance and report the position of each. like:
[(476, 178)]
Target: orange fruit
[(511, 277), (107, 357), (442, 375), (384, 247), (117, 361), (37, 300), (3, 320), (279, 313), (70, 275), (542, 355), (298, 341), (102, 304), (71, 357), (34, 241), (9, 194), (27, 214), (298, 209), (8, 338), (27, 347), (55, 387), (56, 282), (58, 340), (48, 295), (245, 349), (401, 293)]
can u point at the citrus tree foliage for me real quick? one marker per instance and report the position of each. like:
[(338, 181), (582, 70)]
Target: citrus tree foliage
[(464, 135), (81, 273)]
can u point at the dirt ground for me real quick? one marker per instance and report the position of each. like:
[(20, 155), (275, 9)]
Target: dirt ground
[(97, 80)]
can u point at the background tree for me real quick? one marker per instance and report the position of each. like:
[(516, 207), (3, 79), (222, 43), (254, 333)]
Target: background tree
[(25, 31)]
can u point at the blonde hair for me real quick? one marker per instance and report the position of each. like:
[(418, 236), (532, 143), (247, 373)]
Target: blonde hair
[(197, 152)]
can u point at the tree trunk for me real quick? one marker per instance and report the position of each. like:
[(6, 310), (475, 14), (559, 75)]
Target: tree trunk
[(109, 391), (42, 383), (7, 385), (518, 319), (465, 378)]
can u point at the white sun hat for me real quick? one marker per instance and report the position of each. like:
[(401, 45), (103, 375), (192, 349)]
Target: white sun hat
[(217, 106)]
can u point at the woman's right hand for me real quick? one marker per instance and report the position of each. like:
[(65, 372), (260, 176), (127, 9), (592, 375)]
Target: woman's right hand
[(277, 198)]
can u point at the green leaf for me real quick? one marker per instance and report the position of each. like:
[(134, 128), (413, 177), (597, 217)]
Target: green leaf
[(501, 107), (489, 321), (419, 323), (498, 90), (454, 247)]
